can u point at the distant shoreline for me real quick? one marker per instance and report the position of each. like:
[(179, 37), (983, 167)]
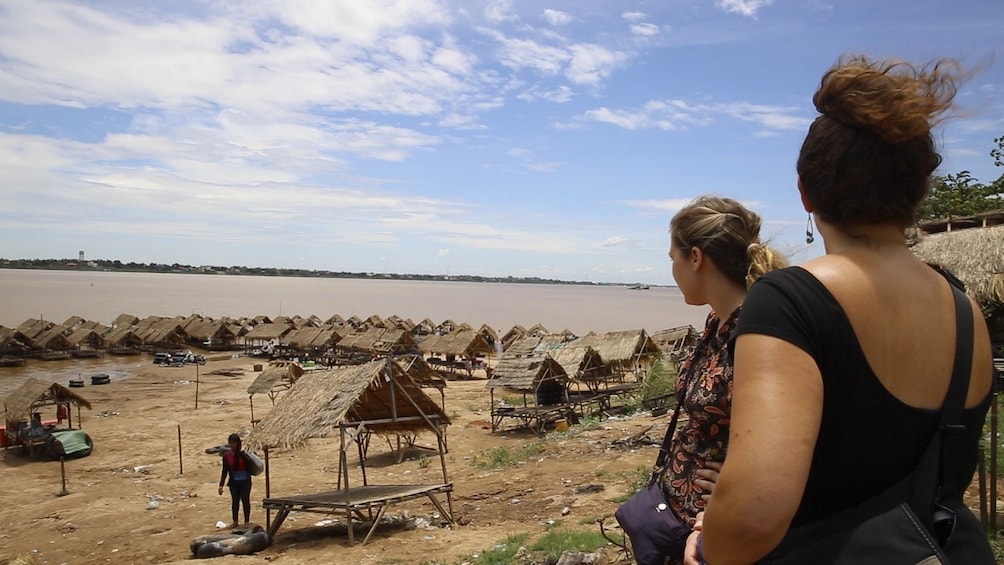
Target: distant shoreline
[(110, 266)]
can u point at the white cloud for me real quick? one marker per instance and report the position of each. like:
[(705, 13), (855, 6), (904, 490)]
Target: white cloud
[(560, 95), (645, 29), (556, 17), (677, 114), (634, 16), (498, 11), (669, 204), (615, 241), (748, 8), (442, 253), (592, 63)]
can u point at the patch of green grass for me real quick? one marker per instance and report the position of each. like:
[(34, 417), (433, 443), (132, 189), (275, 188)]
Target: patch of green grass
[(602, 473), (556, 541), (507, 456), (588, 521), (423, 461), (502, 553), (455, 415)]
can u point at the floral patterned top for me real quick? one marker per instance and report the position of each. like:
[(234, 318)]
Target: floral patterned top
[(704, 390)]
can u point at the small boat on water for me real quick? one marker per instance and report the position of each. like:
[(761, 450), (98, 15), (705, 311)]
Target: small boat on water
[(638, 287), (100, 379)]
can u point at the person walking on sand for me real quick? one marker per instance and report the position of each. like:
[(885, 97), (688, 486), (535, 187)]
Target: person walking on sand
[(235, 464)]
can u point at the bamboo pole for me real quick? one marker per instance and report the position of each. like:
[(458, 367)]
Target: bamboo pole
[(62, 473), (196, 386), (181, 467), (268, 491)]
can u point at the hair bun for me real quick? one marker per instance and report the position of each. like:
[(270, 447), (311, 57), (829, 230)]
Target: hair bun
[(895, 100)]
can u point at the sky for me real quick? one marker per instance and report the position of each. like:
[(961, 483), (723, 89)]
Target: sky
[(527, 138)]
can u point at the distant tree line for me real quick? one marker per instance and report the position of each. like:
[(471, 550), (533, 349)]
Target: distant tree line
[(132, 267), (959, 194)]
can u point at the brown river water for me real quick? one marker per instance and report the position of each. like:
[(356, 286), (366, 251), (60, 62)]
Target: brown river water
[(102, 296)]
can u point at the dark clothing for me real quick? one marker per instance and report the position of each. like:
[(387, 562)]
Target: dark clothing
[(240, 493), (868, 439), (236, 467)]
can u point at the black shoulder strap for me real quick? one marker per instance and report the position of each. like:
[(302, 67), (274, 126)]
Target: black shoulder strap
[(668, 439)]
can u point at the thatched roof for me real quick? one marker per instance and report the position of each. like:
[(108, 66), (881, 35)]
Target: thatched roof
[(277, 374), (123, 337), (420, 371), (676, 341), (624, 348), (32, 327), (984, 220), (514, 333), (90, 337), (976, 256), (523, 346), (525, 374), (581, 364), (537, 329), (203, 330), (19, 403), (468, 343), (123, 320), (322, 400), (267, 331), (52, 338)]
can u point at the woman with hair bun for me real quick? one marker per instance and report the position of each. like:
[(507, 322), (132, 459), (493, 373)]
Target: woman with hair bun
[(842, 364), (716, 253)]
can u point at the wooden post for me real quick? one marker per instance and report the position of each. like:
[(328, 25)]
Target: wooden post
[(62, 473), (268, 492), (196, 386), (181, 467), (982, 475), (993, 458)]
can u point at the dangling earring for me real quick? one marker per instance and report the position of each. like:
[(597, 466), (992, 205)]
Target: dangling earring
[(809, 236)]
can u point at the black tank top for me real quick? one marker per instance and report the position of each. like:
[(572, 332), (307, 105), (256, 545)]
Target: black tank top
[(868, 439)]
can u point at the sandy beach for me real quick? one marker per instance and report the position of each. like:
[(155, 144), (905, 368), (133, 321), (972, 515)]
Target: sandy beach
[(109, 515)]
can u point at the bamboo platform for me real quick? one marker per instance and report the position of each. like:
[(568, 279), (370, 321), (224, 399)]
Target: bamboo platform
[(355, 500)]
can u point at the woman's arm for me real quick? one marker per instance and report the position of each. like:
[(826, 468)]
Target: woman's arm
[(776, 411)]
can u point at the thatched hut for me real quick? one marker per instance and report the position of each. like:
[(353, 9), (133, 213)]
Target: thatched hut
[(87, 343), (52, 344), (677, 343), (123, 340), (976, 257), (278, 376), (380, 394), (523, 346), (543, 384), (628, 351), (514, 333), (14, 347), (583, 365), (359, 400), (33, 327), (212, 335), (466, 343), (33, 396)]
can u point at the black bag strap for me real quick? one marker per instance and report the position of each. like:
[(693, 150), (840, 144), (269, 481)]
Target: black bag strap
[(670, 432), (924, 486)]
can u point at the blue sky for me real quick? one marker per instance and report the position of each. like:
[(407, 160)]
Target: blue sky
[(488, 137)]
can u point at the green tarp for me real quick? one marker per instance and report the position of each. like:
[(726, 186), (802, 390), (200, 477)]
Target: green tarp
[(75, 443)]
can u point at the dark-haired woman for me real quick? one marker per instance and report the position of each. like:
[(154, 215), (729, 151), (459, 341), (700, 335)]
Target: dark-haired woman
[(235, 465), (838, 376)]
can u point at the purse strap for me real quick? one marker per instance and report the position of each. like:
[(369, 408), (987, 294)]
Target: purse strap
[(924, 486)]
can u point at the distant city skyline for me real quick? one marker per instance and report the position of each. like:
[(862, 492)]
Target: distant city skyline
[(483, 137)]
